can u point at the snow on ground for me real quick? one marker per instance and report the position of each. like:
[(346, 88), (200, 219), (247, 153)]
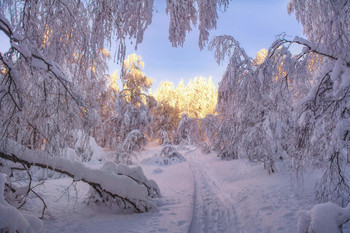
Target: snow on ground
[(253, 201), (201, 194), (174, 208)]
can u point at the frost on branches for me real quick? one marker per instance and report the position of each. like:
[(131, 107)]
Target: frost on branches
[(184, 13), (292, 110), (57, 58), (129, 125), (326, 107), (58, 53)]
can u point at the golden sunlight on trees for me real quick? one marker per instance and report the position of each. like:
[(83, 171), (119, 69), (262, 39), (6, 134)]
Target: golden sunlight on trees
[(200, 97), (46, 35), (3, 71), (102, 54), (281, 73), (113, 82), (197, 99), (127, 112), (260, 56), (313, 64), (135, 82), (315, 61)]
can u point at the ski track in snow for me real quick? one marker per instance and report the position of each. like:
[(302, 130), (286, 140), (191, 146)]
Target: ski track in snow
[(233, 196), (201, 195), (213, 212)]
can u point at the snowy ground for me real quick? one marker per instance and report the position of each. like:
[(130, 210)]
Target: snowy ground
[(202, 194)]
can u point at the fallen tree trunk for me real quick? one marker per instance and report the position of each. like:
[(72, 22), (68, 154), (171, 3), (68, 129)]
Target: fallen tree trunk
[(134, 191)]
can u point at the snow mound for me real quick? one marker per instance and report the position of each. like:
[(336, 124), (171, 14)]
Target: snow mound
[(323, 218), (11, 219)]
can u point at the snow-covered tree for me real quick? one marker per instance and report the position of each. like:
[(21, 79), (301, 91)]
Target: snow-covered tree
[(196, 99), (188, 131), (128, 127), (165, 119), (256, 102), (57, 59), (292, 108), (133, 104), (326, 108), (60, 44)]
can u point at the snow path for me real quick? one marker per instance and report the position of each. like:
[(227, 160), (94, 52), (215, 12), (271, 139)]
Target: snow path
[(213, 211), (233, 196), (203, 194)]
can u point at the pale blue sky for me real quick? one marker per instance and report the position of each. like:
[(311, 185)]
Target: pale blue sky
[(254, 23)]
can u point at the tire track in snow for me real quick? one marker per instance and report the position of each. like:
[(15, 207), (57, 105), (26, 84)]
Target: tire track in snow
[(212, 210)]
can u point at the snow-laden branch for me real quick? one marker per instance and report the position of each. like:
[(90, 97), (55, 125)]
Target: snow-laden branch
[(225, 47), (311, 47), (185, 13), (36, 59), (123, 183)]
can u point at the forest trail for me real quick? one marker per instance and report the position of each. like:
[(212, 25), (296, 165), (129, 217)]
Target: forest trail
[(212, 210), (203, 194), (234, 196)]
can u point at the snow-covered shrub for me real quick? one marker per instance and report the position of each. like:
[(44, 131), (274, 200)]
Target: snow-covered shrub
[(86, 147), (70, 154), (169, 155), (228, 154), (226, 142), (205, 148), (133, 141), (164, 137), (188, 131), (126, 151), (183, 131), (323, 218)]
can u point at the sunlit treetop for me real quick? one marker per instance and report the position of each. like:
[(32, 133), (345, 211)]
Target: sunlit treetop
[(198, 98), (113, 81), (260, 56), (134, 82), (133, 77)]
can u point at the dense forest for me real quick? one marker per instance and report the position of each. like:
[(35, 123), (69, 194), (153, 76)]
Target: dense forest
[(59, 109)]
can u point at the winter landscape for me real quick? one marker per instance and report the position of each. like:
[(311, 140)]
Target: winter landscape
[(90, 143)]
